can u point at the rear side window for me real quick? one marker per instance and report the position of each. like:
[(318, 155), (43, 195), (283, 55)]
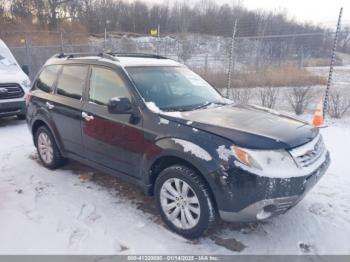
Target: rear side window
[(47, 78), (72, 80), (106, 84)]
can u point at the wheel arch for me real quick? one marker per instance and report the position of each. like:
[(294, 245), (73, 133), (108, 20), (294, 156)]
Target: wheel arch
[(42, 122), (166, 161), (36, 125)]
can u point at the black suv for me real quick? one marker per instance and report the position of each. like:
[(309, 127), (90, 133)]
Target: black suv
[(154, 122)]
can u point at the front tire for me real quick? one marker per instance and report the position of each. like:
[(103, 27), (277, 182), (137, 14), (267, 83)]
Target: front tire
[(47, 148), (184, 201)]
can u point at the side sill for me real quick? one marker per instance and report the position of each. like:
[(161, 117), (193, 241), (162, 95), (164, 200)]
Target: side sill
[(115, 173)]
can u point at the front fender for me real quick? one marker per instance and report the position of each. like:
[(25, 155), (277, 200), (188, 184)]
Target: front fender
[(204, 160), (193, 153)]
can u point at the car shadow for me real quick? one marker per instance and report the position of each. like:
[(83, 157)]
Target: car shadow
[(145, 203), (10, 121), (135, 195)]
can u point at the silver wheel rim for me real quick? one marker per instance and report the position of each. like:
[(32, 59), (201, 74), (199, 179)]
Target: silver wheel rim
[(180, 203), (45, 148)]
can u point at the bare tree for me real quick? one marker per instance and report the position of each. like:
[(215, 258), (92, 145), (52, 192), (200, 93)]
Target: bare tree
[(344, 39), (2, 11), (299, 98), (21, 11), (182, 14), (186, 50), (268, 96), (338, 105), (241, 95), (53, 7)]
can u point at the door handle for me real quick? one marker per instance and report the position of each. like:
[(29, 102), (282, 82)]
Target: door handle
[(87, 117), (49, 105)]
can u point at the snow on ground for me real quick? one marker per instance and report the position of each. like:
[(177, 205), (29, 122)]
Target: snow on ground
[(77, 210)]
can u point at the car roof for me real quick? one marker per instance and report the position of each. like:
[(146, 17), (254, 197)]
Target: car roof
[(125, 60), (142, 61)]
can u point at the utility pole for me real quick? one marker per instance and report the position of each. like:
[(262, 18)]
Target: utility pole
[(331, 67), (105, 39), (230, 66)]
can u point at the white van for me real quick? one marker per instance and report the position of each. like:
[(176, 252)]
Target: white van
[(14, 84)]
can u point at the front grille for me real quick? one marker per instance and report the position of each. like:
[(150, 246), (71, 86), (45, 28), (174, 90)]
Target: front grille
[(9, 91), (309, 153)]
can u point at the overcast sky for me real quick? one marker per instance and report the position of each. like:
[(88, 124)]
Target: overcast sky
[(316, 11)]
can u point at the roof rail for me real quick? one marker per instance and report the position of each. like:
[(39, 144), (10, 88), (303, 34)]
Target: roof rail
[(109, 55), (136, 55), (76, 55)]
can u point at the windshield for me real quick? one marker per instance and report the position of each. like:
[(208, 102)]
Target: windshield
[(174, 88), (6, 58)]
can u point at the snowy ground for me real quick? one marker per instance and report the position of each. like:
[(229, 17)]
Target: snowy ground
[(76, 210)]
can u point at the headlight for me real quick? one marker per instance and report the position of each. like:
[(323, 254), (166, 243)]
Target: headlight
[(26, 83), (271, 163), (245, 158)]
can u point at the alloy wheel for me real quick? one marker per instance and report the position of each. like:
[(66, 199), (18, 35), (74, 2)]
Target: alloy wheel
[(180, 203), (45, 148)]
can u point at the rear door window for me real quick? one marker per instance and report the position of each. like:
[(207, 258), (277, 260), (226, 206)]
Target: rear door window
[(71, 81), (106, 84), (47, 78)]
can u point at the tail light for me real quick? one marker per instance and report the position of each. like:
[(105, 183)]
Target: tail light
[(28, 97)]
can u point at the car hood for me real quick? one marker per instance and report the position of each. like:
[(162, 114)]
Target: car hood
[(12, 74), (251, 126)]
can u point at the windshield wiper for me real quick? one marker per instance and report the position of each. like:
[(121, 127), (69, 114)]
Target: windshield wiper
[(208, 104), (172, 109), (203, 105), (182, 109)]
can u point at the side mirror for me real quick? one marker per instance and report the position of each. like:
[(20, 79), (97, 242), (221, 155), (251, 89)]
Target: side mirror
[(25, 69), (120, 105)]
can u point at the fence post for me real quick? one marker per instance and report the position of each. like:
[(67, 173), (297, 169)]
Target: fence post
[(62, 44), (158, 39), (231, 58), (28, 56), (105, 40), (301, 57), (331, 67), (206, 64)]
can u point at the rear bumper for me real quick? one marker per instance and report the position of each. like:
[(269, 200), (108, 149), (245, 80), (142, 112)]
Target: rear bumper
[(264, 202), (11, 108)]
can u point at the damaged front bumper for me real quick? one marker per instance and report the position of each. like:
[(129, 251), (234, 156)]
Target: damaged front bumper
[(251, 198)]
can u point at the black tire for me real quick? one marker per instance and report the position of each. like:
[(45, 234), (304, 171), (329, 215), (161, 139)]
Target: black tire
[(207, 215), (57, 159), (21, 117)]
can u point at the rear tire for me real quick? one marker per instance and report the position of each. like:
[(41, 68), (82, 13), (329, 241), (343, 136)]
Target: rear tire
[(47, 148), (184, 201)]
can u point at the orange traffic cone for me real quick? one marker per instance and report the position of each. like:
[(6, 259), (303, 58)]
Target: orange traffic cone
[(318, 115)]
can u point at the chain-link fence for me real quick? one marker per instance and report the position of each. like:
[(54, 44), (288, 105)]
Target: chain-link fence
[(277, 71)]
